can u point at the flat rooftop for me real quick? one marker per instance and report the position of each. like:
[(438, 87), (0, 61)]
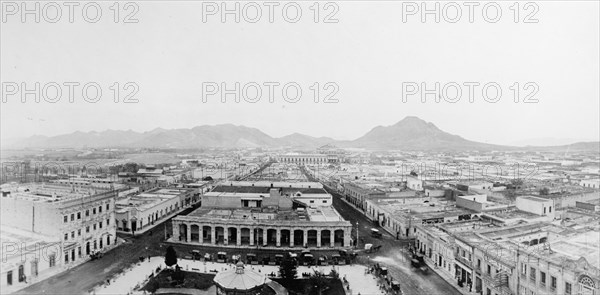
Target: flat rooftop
[(24, 242), (320, 214), (266, 189), (43, 192), (512, 214)]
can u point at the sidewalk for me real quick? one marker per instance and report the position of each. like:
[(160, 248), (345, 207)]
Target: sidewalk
[(450, 279)]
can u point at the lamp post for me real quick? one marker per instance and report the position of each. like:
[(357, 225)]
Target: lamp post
[(357, 235)]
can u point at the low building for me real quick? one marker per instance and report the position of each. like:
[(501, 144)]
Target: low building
[(141, 212), (27, 258), (241, 216), (82, 218)]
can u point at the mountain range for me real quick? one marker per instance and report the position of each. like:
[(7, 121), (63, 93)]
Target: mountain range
[(411, 133)]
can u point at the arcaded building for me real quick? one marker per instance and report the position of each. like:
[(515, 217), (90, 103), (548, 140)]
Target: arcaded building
[(255, 214)]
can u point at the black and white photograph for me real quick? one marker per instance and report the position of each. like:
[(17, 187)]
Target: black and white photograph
[(301, 147)]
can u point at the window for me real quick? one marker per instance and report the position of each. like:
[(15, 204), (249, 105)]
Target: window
[(543, 278), (72, 216), (100, 224), (107, 221), (79, 251), (66, 237), (567, 288), (532, 274), (552, 282), (72, 234), (108, 206), (324, 201), (107, 241), (489, 269), (99, 209), (488, 291), (94, 226), (9, 278), (79, 232), (78, 215), (87, 229), (478, 263), (66, 257), (550, 209), (94, 211), (87, 212), (312, 201), (65, 218)]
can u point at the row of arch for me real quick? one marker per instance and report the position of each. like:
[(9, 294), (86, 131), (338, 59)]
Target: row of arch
[(245, 236)]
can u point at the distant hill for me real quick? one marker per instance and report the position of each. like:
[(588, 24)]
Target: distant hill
[(411, 133), (301, 140)]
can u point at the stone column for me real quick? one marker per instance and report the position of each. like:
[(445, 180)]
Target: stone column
[(265, 231), (213, 234), (175, 231), (252, 236), (332, 237), (292, 237), (347, 237), (318, 238), (278, 235), (305, 238), (201, 234), (239, 237), (189, 233)]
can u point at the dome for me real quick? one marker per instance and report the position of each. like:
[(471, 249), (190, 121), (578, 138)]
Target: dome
[(240, 278)]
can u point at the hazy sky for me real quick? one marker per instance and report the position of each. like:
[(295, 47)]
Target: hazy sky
[(370, 53)]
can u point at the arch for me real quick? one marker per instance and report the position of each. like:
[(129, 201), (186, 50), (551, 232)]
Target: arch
[(338, 238), (245, 236), (285, 237), (219, 235), (298, 237), (232, 235), (587, 281), (543, 240), (271, 237), (206, 234), (195, 233), (183, 232), (325, 237), (311, 236), (533, 242)]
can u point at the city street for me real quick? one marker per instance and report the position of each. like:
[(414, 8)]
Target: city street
[(391, 255)]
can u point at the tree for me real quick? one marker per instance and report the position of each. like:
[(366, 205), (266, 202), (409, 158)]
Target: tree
[(170, 256), (317, 283), (288, 269), (544, 191)]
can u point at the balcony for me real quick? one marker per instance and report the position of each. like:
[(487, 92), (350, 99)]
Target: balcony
[(463, 261)]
